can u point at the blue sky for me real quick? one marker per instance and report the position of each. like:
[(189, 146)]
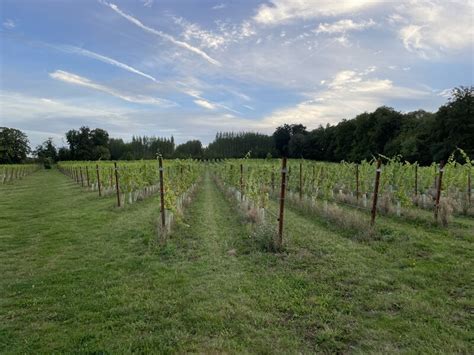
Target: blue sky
[(192, 68)]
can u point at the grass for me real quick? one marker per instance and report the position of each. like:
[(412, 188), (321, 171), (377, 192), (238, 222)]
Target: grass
[(79, 275)]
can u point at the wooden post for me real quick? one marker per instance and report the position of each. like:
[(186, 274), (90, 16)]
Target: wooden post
[(357, 182), (117, 184), (241, 182), (273, 181), (111, 177), (87, 176), (162, 191), (376, 193), (282, 203), (416, 179), (438, 189), (98, 179), (301, 181)]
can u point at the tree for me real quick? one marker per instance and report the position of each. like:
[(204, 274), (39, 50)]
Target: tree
[(283, 134), (453, 125), (14, 146), (190, 149), (47, 150)]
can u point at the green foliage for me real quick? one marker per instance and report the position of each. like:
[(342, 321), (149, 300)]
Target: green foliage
[(14, 146)]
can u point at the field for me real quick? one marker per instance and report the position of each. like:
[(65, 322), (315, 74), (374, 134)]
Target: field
[(81, 275)]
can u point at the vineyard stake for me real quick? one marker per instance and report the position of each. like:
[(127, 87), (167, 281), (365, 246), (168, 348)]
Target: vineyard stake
[(273, 181), (117, 184), (376, 193), (416, 180), (162, 192), (87, 175), (282, 202), (469, 189), (82, 179), (357, 182), (98, 179), (111, 177), (241, 182), (438, 189), (301, 181)]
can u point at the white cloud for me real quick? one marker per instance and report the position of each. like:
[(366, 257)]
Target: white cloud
[(163, 35), (74, 79), (343, 26), (432, 27), (9, 24), (148, 3), (282, 11), (219, 7), (205, 104), (348, 94), (108, 60)]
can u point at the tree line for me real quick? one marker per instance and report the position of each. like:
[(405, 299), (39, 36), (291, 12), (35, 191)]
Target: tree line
[(415, 136)]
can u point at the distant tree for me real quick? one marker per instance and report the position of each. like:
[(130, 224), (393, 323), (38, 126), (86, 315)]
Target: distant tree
[(190, 149), (64, 154), (453, 125), (14, 146), (47, 150), (87, 144), (283, 134)]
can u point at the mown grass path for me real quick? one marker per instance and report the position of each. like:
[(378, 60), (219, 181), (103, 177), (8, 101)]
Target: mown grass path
[(80, 275)]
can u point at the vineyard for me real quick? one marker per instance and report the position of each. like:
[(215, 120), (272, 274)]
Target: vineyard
[(163, 256)]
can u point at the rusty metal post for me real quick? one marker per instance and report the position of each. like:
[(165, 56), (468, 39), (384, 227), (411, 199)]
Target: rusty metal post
[(416, 179), (82, 179), (162, 191), (117, 184), (469, 189), (87, 176), (438, 189), (98, 179), (241, 182), (376, 193), (357, 182), (301, 181), (282, 202)]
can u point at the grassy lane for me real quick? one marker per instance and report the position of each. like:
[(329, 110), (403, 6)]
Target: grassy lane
[(79, 274), (410, 289)]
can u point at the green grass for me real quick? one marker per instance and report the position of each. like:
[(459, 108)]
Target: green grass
[(79, 275)]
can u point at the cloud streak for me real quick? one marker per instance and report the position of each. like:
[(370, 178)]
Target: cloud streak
[(74, 79), (162, 35), (104, 59)]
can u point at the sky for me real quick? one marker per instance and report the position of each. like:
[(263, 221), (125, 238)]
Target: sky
[(192, 68)]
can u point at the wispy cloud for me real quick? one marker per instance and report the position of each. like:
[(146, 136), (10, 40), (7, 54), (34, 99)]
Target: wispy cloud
[(148, 3), (163, 35), (282, 11), (343, 26), (219, 6), (74, 79), (104, 59), (205, 104), (9, 24)]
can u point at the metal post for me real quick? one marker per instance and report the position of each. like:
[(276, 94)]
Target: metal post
[(416, 180), (282, 202), (438, 189), (301, 181), (357, 182), (376, 193), (117, 184), (98, 179), (162, 192), (241, 182)]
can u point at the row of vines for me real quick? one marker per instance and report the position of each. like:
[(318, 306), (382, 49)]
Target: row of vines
[(12, 172)]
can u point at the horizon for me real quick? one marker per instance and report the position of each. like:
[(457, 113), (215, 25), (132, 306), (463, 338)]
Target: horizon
[(190, 70)]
